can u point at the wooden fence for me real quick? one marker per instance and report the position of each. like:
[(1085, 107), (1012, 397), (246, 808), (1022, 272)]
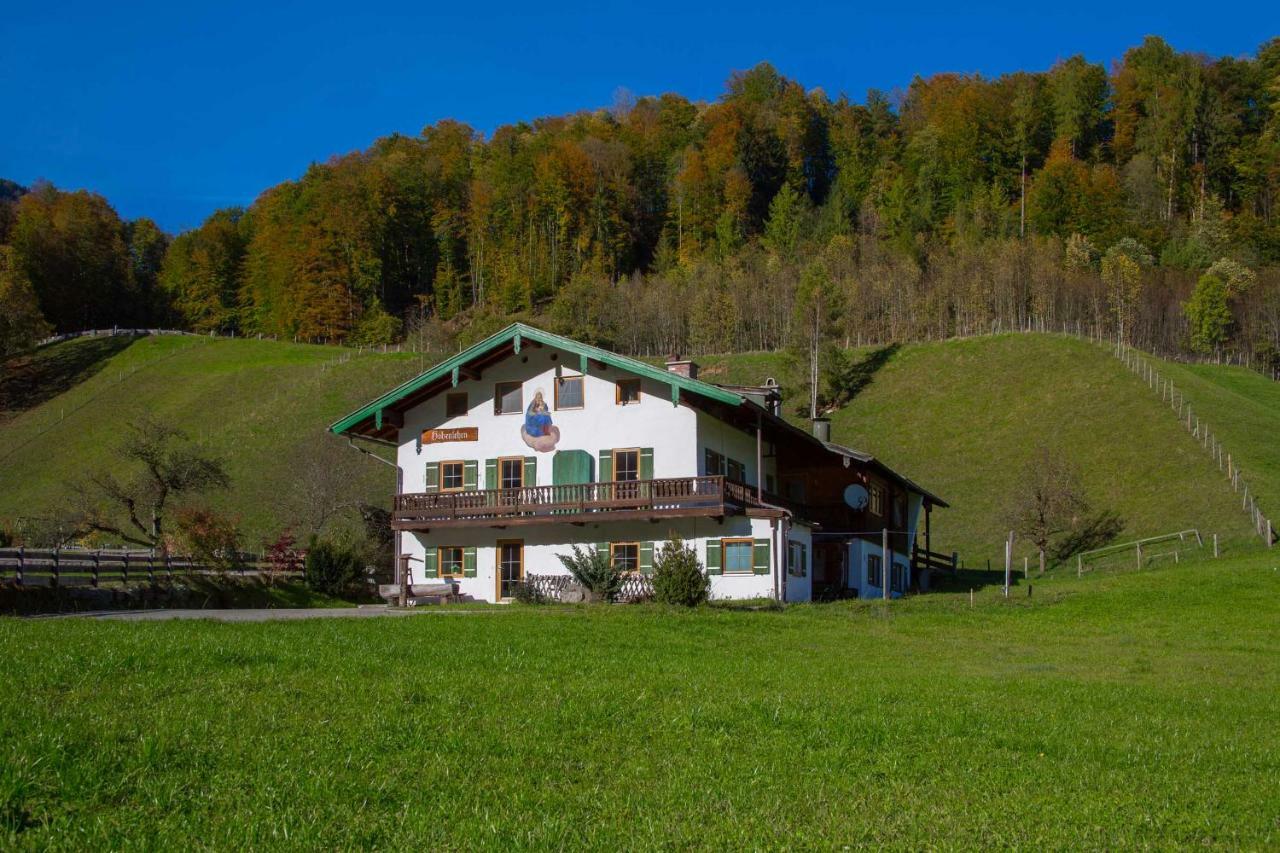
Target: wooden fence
[(1173, 396), (635, 587), (83, 567), (1168, 545)]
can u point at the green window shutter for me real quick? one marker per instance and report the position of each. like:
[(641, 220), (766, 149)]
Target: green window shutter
[(491, 474), (606, 466), (432, 478), (804, 560), (646, 558), (570, 466), (470, 471), (531, 470), (602, 548), (469, 561), (432, 561), (646, 463), (713, 557), (760, 557)]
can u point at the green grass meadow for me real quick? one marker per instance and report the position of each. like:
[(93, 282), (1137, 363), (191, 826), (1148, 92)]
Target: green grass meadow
[(1123, 710)]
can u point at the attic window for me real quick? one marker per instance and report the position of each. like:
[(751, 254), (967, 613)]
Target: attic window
[(508, 398), (569, 392), (628, 391)]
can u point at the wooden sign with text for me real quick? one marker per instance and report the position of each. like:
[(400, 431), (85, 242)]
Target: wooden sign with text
[(436, 436)]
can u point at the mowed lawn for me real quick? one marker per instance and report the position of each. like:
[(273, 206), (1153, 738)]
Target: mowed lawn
[(1133, 709)]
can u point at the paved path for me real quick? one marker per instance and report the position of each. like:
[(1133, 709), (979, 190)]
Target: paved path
[(247, 615)]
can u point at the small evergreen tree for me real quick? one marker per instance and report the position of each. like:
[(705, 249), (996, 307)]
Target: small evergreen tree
[(678, 577), (595, 572)]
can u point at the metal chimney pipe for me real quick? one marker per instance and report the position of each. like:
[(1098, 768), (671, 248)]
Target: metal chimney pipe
[(822, 429)]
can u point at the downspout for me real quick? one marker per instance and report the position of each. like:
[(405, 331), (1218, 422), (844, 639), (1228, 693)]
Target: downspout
[(395, 560), (784, 556), (779, 580)]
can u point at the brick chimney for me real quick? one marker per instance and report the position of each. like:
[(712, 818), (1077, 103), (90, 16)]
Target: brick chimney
[(683, 366)]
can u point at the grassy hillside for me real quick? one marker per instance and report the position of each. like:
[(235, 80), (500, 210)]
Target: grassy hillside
[(1129, 711), (1243, 409), (961, 417), (261, 405)]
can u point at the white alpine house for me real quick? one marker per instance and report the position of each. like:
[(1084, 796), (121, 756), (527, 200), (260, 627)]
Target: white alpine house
[(529, 443)]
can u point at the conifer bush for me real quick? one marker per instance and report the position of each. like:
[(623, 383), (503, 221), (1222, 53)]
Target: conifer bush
[(333, 568), (678, 577)]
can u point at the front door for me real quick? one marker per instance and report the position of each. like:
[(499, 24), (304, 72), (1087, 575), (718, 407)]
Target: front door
[(510, 566)]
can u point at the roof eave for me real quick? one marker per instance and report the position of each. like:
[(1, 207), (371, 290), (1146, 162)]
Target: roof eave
[(520, 332)]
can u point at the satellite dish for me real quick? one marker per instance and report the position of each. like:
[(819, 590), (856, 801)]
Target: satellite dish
[(856, 496)]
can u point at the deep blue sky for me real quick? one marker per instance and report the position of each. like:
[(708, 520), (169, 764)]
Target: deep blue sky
[(172, 113)]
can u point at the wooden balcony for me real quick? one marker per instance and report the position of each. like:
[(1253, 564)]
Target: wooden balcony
[(576, 503)]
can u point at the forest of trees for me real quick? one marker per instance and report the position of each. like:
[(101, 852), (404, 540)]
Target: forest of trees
[(1143, 200)]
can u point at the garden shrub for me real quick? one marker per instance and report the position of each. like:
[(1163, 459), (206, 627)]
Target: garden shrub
[(599, 578), (678, 577), (333, 568), (527, 593), (209, 537)]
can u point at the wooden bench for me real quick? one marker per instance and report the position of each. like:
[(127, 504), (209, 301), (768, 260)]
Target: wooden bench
[(419, 593)]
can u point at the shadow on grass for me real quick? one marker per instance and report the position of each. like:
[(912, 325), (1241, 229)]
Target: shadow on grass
[(28, 380), (853, 378), (966, 579)]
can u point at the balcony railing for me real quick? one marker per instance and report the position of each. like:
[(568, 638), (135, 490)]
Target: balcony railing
[(573, 502)]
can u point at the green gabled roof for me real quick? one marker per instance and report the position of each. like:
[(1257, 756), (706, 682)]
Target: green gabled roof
[(519, 332)]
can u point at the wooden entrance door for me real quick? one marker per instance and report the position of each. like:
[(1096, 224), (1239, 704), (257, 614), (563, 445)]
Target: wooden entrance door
[(510, 566)]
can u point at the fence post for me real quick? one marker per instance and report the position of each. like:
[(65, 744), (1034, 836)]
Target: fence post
[(21, 559), (97, 556), (56, 573), (1270, 539), (1215, 546), (1139, 543), (124, 571), (151, 567)]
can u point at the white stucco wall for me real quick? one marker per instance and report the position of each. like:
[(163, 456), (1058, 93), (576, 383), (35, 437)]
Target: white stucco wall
[(543, 542), (601, 424)]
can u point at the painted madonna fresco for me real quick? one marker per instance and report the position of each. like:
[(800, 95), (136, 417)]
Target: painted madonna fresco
[(538, 431)]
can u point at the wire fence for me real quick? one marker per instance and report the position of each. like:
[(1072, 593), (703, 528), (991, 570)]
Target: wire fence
[(1176, 399)]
